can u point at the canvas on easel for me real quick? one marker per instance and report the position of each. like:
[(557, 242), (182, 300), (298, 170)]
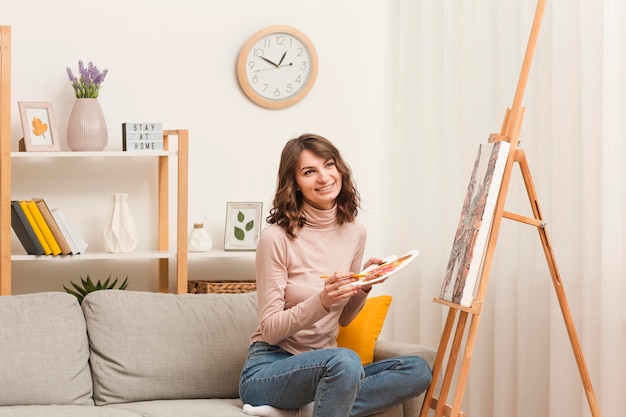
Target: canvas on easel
[(474, 224), (454, 335)]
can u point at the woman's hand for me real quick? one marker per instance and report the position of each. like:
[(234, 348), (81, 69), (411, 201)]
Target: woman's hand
[(337, 287), (370, 262)]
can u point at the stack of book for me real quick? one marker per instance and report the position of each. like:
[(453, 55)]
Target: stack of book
[(42, 231)]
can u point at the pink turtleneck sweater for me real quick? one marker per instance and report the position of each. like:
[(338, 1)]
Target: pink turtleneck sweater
[(288, 272)]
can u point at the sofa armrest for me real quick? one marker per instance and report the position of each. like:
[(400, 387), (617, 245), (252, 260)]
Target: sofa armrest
[(385, 349)]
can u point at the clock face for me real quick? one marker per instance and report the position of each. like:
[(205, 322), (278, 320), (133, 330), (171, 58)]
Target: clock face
[(277, 67)]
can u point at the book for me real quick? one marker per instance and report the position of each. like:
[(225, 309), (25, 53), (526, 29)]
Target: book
[(474, 227), (24, 231), (76, 242), (33, 224), (391, 264), (54, 227), (55, 249)]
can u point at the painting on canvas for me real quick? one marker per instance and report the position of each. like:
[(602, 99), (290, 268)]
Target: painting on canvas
[(470, 240)]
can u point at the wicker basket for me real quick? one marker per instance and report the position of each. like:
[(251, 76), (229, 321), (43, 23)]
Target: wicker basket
[(225, 287)]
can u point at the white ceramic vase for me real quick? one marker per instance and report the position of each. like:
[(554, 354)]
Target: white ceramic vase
[(119, 230), (87, 128), (199, 239)]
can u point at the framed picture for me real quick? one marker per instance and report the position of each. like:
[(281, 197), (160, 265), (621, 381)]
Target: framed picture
[(243, 226), (39, 126)]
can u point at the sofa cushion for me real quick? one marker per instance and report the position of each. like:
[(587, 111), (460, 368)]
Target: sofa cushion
[(65, 411), (153, 346), (44, 350), (211, 407), (362, 333)]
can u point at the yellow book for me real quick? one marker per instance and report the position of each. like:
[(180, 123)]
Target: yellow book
[(33, 223), (43, 226), (52, 224)]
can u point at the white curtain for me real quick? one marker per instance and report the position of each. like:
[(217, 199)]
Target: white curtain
[(458, 65)]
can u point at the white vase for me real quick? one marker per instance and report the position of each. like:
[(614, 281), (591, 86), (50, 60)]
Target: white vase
[(119, 230), (199, 239), (86, 127)]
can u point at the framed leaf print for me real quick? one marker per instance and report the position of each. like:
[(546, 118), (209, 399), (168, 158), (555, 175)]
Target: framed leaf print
[(38, 126), (243, 226)]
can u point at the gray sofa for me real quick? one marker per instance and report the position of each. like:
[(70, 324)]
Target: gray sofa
[(133, 354)]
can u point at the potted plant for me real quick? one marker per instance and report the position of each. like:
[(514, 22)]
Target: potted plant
[(88, 286)]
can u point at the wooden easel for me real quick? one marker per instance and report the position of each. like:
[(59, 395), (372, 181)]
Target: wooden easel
[(458, 315)]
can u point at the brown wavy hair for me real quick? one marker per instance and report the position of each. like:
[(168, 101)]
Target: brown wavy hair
[(287, 206)]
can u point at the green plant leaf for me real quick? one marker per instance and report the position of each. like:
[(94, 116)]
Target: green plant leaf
[(89, 286), (240, 217), (81, 290), (249, 225), (105, 285), (74, 293), (239, 233), (110, 287)]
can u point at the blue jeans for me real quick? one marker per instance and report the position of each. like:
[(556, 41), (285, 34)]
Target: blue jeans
[(334, 378)]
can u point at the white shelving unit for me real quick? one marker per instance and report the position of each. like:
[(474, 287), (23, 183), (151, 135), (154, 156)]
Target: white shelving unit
[(161, 251)]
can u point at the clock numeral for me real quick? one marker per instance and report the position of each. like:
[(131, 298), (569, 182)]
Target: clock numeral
[(251, 65), (258, 52), (298, 79), (299, 51), (277, 93), (303, 65), (289, 89), (267, 43), (254, 79), (280, 39)]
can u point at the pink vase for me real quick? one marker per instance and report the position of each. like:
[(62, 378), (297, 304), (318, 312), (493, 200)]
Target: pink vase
[(87, 128)]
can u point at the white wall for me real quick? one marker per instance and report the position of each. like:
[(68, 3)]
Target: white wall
[(174, 62)]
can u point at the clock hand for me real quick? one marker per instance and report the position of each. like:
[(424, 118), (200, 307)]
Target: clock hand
[(267, 60), (281, 59), (264, 69)]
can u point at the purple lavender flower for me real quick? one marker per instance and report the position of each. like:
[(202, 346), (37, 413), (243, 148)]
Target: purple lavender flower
[(89, 81)]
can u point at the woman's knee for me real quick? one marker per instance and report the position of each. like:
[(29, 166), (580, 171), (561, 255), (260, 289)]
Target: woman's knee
[(421, 372), (347, 363)]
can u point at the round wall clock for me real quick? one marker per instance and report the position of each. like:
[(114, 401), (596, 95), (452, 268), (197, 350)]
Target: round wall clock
[(277, 67)]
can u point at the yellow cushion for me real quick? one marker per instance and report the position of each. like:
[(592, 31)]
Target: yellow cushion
[(361, 335)]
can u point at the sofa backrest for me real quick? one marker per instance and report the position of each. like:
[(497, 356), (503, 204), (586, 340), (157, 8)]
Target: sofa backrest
[(44, 352), (150, 346)]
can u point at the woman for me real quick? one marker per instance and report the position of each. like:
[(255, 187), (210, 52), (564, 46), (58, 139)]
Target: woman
[(294, 367)]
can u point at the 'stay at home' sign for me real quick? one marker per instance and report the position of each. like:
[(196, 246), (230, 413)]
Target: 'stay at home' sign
[(142, 137)]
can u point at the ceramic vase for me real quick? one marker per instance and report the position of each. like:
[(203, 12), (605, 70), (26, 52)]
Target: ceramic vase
[(86, 128), (199, 239), (119, 230)]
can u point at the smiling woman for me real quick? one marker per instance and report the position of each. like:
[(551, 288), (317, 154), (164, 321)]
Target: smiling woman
[(293, 357), (318, 180)]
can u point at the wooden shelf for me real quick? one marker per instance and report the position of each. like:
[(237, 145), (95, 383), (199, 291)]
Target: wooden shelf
[(163, 252), (218, 253), (94, 256), (101, 154)]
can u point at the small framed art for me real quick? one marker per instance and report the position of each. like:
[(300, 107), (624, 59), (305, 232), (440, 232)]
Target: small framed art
[(39, 126), (243, 226)]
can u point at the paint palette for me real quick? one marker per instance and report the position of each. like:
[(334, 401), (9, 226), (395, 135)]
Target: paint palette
[(390, 265)]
